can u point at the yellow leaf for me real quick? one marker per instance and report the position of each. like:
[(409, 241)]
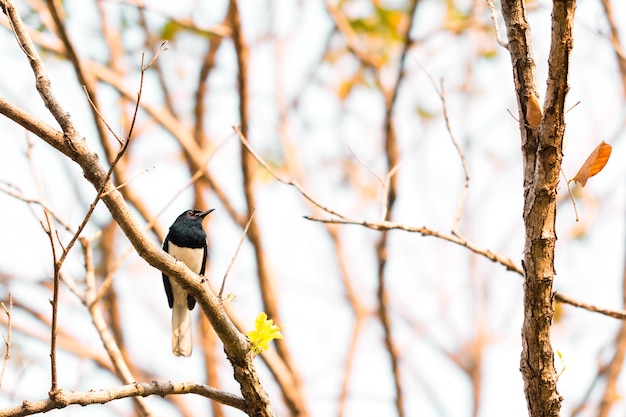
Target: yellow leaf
[(594, 163), (264, 332)]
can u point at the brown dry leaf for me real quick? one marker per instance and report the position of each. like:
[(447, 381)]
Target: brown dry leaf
[(533, 111), (594, 163)]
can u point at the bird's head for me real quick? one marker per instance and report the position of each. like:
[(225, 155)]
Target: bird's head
[(194, 214)]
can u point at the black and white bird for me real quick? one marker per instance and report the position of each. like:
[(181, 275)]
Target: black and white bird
[(186, 241)]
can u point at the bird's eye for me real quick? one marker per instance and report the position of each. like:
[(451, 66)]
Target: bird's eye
[(189, 212)]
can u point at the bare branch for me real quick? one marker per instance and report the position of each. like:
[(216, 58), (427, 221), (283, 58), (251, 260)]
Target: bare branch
[(50, 230), (496, 28), (42, 81), (618, 314), (7, 338), (133, 390), (457, 146), (99, 115), (109, 174), (442, 96), (424, 231), (232, 261), (162, 48)]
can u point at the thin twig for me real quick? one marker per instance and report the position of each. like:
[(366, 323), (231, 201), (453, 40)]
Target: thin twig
[(442, 96), (162, 48), (569, 191), (572, 107), (7, 339), (49, 228), (125, 183), (101, 117), (521, 122), (232, 261), (424, 231), (369, 169), (118, 157), (51, 232), (494, 19), (294, 184), (457, 146), (618, 314), (15, 192)]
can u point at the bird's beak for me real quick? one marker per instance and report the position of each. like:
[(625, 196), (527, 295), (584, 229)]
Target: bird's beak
[(205, 213)]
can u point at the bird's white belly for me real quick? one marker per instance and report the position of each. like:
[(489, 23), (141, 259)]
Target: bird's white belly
[(192, 257)]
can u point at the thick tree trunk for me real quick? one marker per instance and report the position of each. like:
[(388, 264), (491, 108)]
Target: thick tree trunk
[(542, 138)]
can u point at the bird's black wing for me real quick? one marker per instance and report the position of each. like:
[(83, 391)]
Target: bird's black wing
[(166, 280), (204, 255)]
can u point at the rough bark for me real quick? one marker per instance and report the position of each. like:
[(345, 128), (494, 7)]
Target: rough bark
[(542, 154)]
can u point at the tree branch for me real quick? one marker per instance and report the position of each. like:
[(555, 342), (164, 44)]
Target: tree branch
[(66, 398), (542, 138)]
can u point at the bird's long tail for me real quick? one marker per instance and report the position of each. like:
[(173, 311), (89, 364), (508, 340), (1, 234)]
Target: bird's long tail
[(181, 328)]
